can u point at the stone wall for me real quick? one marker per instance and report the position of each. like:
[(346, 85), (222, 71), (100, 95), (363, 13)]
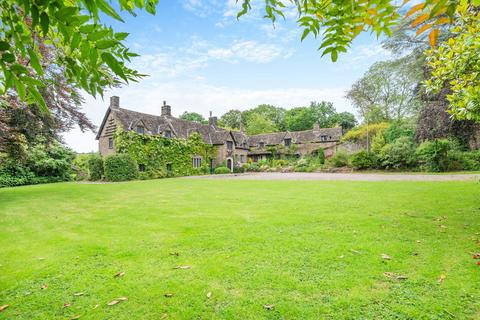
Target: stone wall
[(108, 132)]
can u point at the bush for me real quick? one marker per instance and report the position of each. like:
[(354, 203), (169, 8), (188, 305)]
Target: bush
[(399, 154), (363, 160), (471, 160), (80, 166), (238, 169), (434, 155), (321, 156), (253, 167), (340, 159), (222, 170), (120, 167), (51, 161), (95, 167)]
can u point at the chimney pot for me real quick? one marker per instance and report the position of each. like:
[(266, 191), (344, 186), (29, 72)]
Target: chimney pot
[(212, 121), (316, 126), (166, 110), (114, 102)]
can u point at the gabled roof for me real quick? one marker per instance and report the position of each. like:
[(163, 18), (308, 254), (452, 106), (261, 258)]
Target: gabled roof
[(313, 135)]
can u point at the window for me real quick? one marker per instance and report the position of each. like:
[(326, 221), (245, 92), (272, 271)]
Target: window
[(242, 158), (229, 145), (141, 167), (288, 142), (110, 143), (169, 168), (323, 138), (140, 129), (262, 144), (197, 162), (167, 134)]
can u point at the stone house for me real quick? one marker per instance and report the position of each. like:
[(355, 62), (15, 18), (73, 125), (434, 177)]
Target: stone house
[(234, 148)]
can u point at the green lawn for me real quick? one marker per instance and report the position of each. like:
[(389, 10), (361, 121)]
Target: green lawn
[(310, 248)]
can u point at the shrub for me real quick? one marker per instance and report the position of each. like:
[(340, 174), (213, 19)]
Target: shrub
[(340, 159), (95, 167), (471, 160), (80, 166), (253, 167), (399, 154), (363, 160), (120, 167), (222, 170), (360, 133), (238, 169), (433, 155), (399, 129), (321, 156), (52, 161)]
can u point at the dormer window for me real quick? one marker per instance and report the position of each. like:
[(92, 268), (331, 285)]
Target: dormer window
[(140, 129), (323, 138), (229, 145), (167, 134), (261, 144), (287, 142)]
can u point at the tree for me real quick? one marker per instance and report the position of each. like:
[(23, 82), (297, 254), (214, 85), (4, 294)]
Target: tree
[(88, 51), (268, 111), (258, 123), (387, 91), (193, 116), (339, 22), (324, 113), (346, 120), (457, 63), (300, 118), (232, 119)]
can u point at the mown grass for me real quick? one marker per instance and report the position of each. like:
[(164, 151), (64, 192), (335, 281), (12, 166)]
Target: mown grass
[(310, 248)]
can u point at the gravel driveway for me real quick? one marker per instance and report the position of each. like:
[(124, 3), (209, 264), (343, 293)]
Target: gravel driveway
[(342, 176)]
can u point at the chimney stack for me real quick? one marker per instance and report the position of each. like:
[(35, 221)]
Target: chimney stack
[(212, 120), (114, 102), (316, 126), (166, 109)]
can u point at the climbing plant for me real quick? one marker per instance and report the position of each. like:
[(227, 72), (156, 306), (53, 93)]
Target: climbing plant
[(161, 157)]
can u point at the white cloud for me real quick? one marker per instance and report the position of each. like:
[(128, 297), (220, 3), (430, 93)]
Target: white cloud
[(251, 51), (200, 97)]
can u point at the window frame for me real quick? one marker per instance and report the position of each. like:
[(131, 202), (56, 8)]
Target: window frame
[(289, 142), (229, 145), (110, 143), (197, 162), (137, 127)]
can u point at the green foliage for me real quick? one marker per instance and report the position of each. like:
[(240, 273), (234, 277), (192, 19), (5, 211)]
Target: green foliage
[(232, 119), (95, 167), (321, 156), (91, 53), (258, 123), (120, 167), (340, 159), (457, 62), (222, 170), (360, 133), (398, 129), (300, 118), (274, 114), (158, 153), (80, 166), (363, 160), (399, 154), (44, 163), (434, 155), (193, 116)]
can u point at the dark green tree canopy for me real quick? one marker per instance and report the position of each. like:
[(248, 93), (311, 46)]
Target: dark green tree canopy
[(193, 116)]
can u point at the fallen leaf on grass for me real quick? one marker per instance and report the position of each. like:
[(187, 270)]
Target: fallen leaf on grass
[(66, 305), (118, 300), (75, 317), (478, 263), (78, 294), (119, 274), (182, 267), (476, 255), (355, 251), (386, 257), (268, 306), (209, 295), (418, 241), (44, 286), (168, 295), (442, 277), (96, 306), (5, 306), (174, 254), (414, 253), (392, 275)]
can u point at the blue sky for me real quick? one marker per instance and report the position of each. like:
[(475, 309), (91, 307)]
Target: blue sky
[(200, 58)]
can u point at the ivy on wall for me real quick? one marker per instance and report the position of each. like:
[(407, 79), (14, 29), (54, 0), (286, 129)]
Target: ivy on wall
[(163, 157)]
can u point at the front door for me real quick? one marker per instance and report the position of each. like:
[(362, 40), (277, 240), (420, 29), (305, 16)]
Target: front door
[(230, 164)]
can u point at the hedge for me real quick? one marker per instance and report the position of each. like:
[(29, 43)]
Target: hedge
[(95, 167), (120, 167)]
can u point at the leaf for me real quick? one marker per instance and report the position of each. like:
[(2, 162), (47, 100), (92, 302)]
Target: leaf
[(334, 55), (105, 44), (442, 278), (423, 28), (37, 97), (174, 254), (78, 294), (119, 274), (121, 35), (433, 36), (44, 23), (75, 317), (419, 20), (386, 257), (168, 295), (305, 34), (476, 255), (44, 286), (114, 65), (106, 8), (116, 301), (182, 267), (414, 9), (269, 307), (20, 87), (209, 294), (66, 305), (35, 61), (5, 306), (4, 45)]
